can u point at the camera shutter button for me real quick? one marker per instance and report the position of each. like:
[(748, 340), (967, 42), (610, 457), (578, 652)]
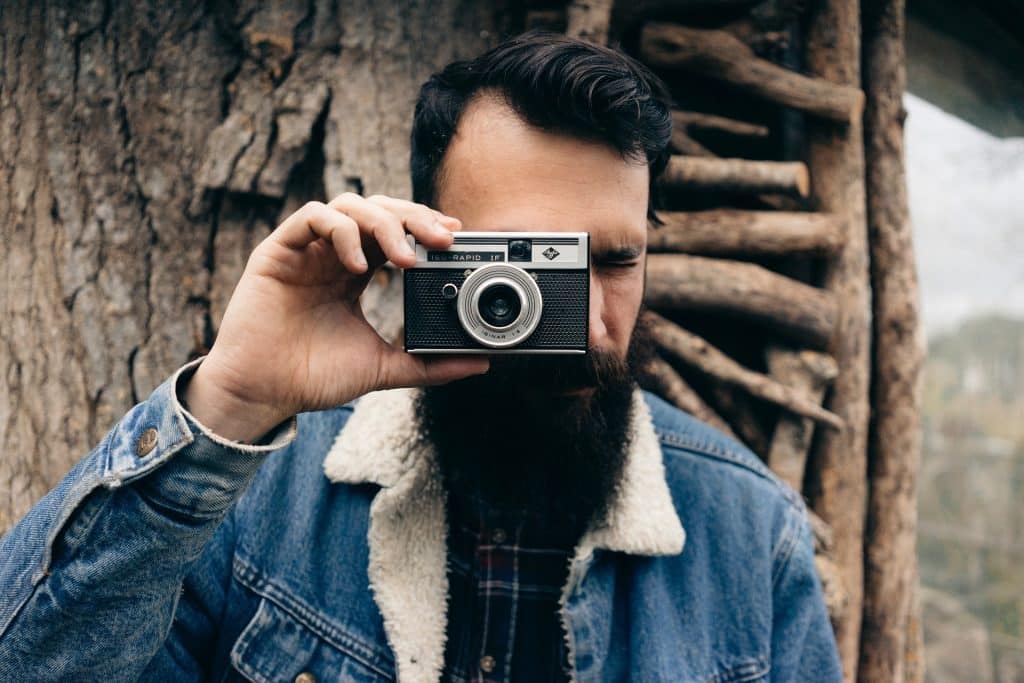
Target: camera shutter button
[(449, 290)]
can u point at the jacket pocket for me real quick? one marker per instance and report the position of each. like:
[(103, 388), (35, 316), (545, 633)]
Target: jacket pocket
[(276, 647)]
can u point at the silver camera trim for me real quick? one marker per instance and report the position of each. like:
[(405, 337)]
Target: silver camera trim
[(531, 304), (494, 282)]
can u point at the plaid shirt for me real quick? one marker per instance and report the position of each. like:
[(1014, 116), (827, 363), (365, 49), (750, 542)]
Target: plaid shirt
[(506, 572)]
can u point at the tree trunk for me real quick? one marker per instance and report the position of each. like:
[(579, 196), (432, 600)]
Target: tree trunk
[(148, 148), (895, 437), (837, 486)]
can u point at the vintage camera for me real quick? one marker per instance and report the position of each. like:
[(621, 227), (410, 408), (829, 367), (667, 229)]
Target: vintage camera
[(500, 292)]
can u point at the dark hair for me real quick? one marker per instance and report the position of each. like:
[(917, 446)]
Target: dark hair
[(554, 83)]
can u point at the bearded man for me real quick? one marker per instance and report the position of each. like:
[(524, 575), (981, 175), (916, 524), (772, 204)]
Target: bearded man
[(308, 502)]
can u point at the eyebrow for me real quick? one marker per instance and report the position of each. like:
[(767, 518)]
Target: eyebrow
[(626, 253)]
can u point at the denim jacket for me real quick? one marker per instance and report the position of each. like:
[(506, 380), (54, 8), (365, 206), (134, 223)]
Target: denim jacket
[(320, 555)]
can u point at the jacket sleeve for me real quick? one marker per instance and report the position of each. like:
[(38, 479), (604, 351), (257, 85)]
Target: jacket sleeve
[(91, 576), (803, 643)]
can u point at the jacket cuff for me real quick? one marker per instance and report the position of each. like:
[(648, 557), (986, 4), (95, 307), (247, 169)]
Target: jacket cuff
[(280, 435), (208, 471)]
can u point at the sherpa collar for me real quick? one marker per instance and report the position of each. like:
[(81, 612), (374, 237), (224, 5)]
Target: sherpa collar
[(407, 535)]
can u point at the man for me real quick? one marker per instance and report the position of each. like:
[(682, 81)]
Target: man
[(516, 519)]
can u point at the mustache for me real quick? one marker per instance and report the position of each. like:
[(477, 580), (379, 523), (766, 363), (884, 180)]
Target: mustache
[(599, 368)]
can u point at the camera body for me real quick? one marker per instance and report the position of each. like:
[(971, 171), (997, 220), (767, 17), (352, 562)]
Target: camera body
[(500, 292)]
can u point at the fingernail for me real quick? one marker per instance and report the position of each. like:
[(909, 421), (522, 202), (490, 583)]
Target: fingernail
[(359, 257), (407, 251), (439, 228)]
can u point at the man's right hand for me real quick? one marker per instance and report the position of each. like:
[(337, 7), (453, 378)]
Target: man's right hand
[(294, 337)]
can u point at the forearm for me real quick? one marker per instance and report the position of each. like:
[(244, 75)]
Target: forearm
[(91, 575)]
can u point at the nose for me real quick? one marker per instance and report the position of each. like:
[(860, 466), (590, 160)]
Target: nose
[(598, 334)]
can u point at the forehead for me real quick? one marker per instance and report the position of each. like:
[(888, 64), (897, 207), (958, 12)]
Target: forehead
[(499, 173)]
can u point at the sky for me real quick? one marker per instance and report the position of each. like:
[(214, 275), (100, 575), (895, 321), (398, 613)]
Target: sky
[(966, 191)]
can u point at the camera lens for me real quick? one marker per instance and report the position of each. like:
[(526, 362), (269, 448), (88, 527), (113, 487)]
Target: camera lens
[(499, 305)]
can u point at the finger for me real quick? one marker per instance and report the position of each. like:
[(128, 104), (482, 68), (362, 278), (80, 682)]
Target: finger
[(403, 369), (316, 220), (427, 225), (384, 227)]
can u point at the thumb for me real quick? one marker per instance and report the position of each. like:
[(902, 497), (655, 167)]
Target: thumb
[(409, 370)]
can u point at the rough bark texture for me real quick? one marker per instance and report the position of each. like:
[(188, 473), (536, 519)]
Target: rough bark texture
[(835, 156), (720, 55), (145, 148), (784, 305), (895, 436), (735, 232)]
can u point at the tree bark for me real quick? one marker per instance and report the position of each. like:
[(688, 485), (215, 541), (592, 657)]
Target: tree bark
[(835, 155), (736, 232), (149, 147), (720, 55), (895, 436), (782, 304)]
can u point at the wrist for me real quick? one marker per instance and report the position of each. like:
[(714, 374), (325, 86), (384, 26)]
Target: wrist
[(227, 413)]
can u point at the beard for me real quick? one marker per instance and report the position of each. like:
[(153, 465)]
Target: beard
[(514, 438)]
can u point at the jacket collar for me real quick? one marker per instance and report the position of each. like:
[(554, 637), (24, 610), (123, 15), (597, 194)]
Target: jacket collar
[(380, 444)]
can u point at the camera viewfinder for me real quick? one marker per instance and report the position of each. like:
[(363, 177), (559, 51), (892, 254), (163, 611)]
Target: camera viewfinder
[(520, 250)]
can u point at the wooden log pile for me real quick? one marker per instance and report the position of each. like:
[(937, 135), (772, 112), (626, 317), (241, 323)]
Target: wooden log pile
[(759, 291)]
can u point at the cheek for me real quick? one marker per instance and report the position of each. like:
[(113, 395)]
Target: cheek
[(622, 297)]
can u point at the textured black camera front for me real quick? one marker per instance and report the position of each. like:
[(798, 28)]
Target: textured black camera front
[(520, 250), (499, 305)]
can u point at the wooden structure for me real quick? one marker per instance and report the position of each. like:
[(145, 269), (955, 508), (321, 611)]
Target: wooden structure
[(150, 146), (786, 295)]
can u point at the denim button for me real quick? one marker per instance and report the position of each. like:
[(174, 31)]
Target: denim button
[(487, 663), (146, 442), (305, 677), (499, 536)]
